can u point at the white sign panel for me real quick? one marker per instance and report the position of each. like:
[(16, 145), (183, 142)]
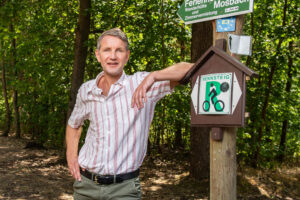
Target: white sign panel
[(215, 94), (194, 95), (240, 44), (236, 93)]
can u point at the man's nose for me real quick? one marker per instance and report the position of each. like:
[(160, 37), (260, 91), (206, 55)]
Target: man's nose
[(113, 55)]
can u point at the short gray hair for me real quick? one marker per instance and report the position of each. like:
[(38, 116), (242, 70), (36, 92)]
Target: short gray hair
[(114, 32)]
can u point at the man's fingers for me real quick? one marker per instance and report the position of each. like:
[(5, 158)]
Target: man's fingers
[(77, 172), (141, 99), (144, 96), (137, 100), (74, 170), (134, 99)]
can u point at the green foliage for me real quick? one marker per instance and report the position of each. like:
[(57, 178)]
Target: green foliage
[(272, 32), (45, 33), (45, 40)]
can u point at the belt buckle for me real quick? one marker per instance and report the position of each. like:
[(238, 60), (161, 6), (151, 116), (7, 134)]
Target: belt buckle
[(96, 179)]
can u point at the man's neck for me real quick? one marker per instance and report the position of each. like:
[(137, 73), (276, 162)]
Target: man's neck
[(105, 83)]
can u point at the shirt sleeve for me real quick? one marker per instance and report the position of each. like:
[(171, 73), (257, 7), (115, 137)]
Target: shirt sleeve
[(158, 90), (79, 113)]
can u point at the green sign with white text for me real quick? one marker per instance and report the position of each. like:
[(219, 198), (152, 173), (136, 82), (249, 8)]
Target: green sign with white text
[(193, 11)]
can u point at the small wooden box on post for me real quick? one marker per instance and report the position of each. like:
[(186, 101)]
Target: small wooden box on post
[(219, 89)]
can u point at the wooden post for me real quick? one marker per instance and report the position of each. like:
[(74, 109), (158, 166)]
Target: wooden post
[(223, 35), (223, 153), (223, 166)]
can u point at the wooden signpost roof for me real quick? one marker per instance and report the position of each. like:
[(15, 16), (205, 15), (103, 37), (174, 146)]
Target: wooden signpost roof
[(207, 55)]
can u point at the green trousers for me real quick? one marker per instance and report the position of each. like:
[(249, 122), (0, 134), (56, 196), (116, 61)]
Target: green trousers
[(86, 189)]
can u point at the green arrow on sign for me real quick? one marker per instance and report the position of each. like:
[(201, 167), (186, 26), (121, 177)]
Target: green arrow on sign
[(192, 11)]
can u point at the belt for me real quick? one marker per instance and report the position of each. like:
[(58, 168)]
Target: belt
[(109, 179)]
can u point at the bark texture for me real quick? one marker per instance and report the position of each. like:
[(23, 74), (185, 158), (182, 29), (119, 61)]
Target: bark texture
[(202, 39), (81, 50), (288, 90), (15, 97), (7, 109)]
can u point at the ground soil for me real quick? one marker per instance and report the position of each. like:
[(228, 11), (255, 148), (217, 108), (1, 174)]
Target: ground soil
[(35, 173)]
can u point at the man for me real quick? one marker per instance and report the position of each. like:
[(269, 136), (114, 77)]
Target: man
[(120, 110)]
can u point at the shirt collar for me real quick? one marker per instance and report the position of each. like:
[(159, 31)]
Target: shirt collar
[(120, 82)]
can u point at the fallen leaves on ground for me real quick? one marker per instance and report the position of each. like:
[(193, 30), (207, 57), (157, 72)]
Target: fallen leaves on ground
[(30, 173)]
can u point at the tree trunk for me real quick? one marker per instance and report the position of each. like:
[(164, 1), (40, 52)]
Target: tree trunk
[(7, 110), (288, 90), (163, 116), (157, 133), (268, 92), (81, 50), (178, 135), (163, 57), (15, 97), (17, 114), (202, 39), (182, 45)]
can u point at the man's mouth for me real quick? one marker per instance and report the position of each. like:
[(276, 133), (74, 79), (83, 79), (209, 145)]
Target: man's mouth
[(113, 64)]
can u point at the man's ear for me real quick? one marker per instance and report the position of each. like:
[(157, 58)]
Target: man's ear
[(97, 54), (128, 55)]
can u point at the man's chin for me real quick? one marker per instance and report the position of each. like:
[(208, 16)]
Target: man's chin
[(114, 73)]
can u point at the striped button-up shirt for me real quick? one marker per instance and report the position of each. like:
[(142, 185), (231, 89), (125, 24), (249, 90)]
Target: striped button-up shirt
[(116, 140)]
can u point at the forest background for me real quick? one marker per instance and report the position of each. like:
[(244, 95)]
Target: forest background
[(47, 51)]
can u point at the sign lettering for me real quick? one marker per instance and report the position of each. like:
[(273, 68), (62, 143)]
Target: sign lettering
[(192, 11)]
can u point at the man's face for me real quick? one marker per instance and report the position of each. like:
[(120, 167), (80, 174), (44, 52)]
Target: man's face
[(112, 55)]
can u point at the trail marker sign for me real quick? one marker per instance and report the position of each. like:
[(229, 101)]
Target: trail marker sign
[(218, 94), (218, 90), (193, 11), (215, 94)]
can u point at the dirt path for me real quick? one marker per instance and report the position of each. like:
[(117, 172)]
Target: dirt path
[(31, 173), (42, 174)]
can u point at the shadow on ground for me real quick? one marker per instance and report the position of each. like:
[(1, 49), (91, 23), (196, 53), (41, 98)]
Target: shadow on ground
[(32, 173), (42, 174)]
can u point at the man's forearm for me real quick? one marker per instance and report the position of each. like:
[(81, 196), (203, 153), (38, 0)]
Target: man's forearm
[(173, 73), (72, 140)]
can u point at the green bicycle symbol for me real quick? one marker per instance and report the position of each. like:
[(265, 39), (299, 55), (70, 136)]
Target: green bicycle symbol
[(213, 89)]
